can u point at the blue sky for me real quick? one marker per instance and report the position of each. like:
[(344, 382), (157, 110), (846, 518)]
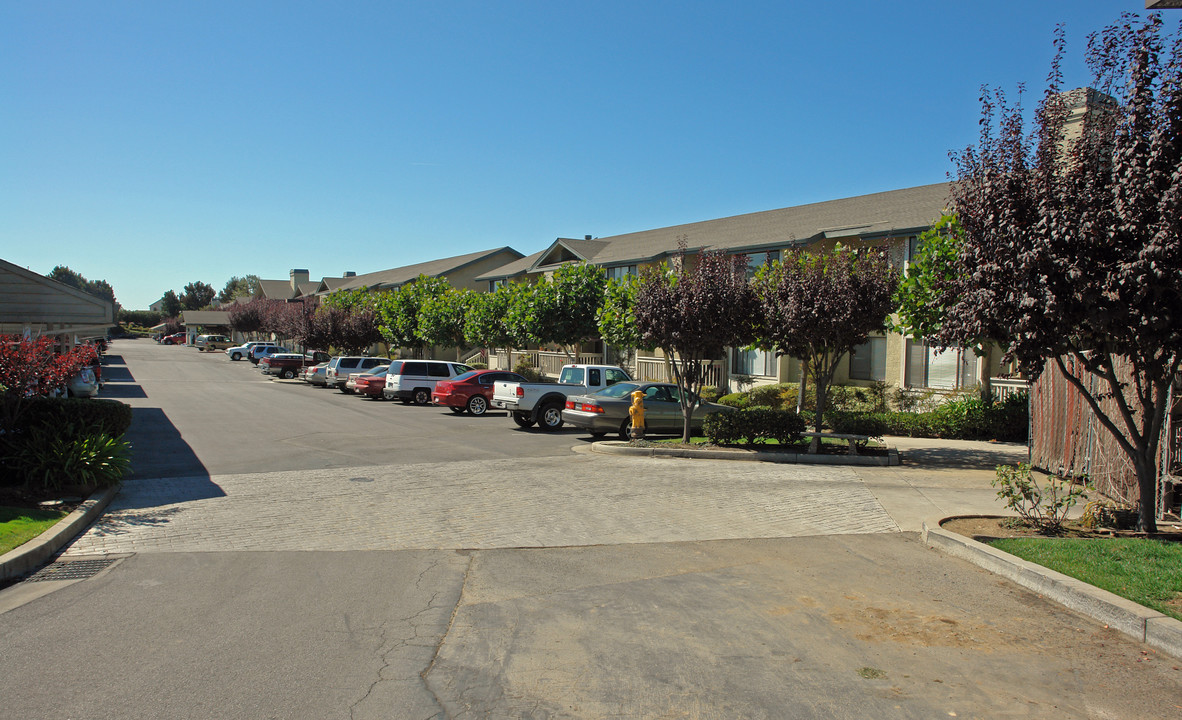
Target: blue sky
[(153, 144)]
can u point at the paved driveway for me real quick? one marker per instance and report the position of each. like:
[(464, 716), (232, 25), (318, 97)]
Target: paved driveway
[(425, 565)]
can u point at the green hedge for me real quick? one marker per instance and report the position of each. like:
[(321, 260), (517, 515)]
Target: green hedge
[(751, 426), (86, 416), (965, 418)]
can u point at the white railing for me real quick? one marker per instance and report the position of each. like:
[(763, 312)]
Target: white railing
[(549, 364), (654, 369), (1002, 388)]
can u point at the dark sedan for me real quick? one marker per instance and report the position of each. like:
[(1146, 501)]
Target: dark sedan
[(606, 411)]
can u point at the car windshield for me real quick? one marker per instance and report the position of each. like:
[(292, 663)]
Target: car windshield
[(617, 390), (571, 376)]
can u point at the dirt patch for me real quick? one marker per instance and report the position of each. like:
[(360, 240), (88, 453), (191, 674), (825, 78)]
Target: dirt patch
[(984, 529)]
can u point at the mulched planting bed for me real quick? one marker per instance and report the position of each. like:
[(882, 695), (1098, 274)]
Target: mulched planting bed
[(984, 529)]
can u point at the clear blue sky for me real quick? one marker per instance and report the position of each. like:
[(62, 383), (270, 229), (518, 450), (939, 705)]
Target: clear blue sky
[(151, 144)]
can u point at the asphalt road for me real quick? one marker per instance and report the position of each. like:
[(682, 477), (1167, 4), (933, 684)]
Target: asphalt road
[(628, 602)]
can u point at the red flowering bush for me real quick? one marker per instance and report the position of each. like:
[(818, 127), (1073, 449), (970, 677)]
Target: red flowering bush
[(31, 367)]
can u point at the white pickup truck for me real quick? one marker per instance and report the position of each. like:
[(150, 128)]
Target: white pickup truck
[(542, 402)]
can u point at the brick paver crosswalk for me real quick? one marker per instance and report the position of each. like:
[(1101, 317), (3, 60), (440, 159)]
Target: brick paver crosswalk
[(583, 499)]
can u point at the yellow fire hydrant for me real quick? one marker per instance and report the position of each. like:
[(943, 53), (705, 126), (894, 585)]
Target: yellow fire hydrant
[(636, 412)]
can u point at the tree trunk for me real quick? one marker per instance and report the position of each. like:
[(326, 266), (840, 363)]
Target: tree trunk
[(822, 387), (1147, 490)]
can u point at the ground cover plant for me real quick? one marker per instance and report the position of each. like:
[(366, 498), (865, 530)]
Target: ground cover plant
[(1146, 571)]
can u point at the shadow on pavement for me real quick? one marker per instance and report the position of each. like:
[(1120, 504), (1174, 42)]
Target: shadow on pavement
[(117, 373), (115, 390), (964, 458), (166, 470)]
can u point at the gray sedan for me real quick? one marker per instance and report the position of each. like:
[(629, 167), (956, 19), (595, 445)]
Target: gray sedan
[(606, 411)]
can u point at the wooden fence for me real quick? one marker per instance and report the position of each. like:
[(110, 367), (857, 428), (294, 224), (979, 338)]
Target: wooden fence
[(1066, 437)]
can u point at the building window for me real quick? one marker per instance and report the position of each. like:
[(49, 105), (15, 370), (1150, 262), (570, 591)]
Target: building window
[(951, 369), (754, 362), (868, 360), (494, 284), (756, 260), (620, 272)]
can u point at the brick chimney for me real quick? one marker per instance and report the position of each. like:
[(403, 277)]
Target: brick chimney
[(297, 277)]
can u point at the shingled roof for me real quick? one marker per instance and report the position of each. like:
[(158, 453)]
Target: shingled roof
[(894, 212), (394, 277)]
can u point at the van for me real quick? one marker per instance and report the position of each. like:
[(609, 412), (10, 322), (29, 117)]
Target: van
[(413, 381)]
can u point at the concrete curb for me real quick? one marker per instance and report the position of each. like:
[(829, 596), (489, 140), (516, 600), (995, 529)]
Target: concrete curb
[(35, 552), (619, 447), (1137, 621)]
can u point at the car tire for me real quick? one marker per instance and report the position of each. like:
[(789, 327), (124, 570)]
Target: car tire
[(422, 396), (477, 405), (625, 428), (344, 389), (287, 374), (236, 356), (550, 418), (523, 419)]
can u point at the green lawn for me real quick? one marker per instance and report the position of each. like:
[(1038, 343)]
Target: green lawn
[(20, 525), (1148, 572)]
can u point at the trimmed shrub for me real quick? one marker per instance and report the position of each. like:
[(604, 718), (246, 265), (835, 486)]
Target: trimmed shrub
[(710, 393), (736, 400), (966, 417), (767, 395), (478, 366), (754, 425), (84, 416)]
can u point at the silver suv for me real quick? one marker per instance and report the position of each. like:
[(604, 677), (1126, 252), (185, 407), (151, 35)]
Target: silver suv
[(339, 368)]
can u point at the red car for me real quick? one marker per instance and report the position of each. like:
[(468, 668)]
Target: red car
[(174, 339), (371, 384), (471, 391)]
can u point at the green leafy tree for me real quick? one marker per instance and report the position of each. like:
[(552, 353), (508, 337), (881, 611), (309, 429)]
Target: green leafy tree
[(1071, 242), (172, 304), (240, 287), (817, 306), (695, 313), (197, 295), (97, 288), (565, 306), (398, 311), (919, 300), (441, 317), (616, 317), (485, 323)]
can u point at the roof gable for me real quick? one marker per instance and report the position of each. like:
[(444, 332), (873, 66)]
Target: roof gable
[(395, 277)]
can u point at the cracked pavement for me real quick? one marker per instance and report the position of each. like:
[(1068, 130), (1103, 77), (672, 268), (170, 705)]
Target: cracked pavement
[(417, 564)]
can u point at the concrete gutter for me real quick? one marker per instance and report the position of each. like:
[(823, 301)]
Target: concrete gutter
[(619, 447), (1137, 621), (36, 552)]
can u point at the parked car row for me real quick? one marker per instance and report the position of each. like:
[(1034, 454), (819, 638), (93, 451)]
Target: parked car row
[(595, 398)]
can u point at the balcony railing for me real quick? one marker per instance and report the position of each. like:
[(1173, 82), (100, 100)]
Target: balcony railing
[(654, 369), (1002, 388), (549, 364)]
